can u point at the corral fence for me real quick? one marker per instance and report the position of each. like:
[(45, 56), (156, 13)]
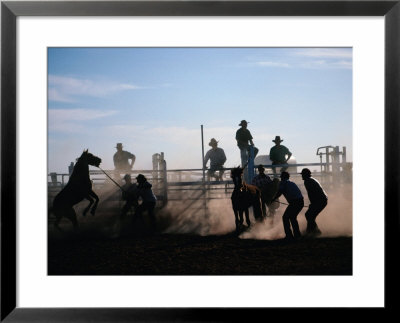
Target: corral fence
[(192, 184)]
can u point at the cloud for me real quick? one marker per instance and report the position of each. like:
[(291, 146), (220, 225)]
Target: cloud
[(78, 114), (66, 89), (326, 64), (336, 53), (70, 120), (327, 58), (272, 64), (310, 58)]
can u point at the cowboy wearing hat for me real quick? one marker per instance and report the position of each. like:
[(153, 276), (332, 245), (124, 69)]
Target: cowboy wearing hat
[(318, 201), (129, 194), (121, 160), (294, 197), (279, 155), (148, 199), (243, 138), (217, 159), (264, 183)]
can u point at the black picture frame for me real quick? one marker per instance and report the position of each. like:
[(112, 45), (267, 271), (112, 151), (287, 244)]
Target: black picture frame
[(11, 10)]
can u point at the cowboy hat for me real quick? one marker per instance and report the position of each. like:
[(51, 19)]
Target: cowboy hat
[(212, 141), (141, 177), (277, 138), (285, 175), (118, 145), (243, 122), (306, 171)]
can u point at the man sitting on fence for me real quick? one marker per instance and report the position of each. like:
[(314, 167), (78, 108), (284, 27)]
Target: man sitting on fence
[(217, 159), (280, 155)]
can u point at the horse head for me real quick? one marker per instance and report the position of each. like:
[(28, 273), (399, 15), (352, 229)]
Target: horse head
[(90, 158), (236, 175)]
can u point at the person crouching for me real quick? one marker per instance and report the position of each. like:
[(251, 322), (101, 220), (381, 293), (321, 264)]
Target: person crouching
[(129, 194), (295, 199), (148, 199)]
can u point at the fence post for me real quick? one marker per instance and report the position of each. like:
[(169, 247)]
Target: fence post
[(163, 169), (204, 173), (250, 166), (53, 177), (156, 171), (336, 165)]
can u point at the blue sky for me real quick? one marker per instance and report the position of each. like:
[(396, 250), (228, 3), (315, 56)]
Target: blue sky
[(156, 99)]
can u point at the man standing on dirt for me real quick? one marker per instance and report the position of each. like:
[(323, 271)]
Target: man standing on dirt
[(217, 159), (318, 201), (295, 199), (129, 194), (279, 155), (243, 138), (121, 161), (264, 183), (148, 199)]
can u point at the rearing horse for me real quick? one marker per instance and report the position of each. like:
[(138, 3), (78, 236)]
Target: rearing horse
[(243, 197), (79, 187)]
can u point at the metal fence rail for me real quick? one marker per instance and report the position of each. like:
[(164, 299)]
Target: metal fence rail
[(175, 184)]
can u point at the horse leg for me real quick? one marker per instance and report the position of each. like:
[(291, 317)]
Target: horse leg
[(237, 223), (93, 194), (241, 216), (91, 201), (264, 209), (257, 208), (246, 212), (71, 215)]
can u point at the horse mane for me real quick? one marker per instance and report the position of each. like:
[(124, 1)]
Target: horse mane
[(85, 152), (80, 165), (236, 171)]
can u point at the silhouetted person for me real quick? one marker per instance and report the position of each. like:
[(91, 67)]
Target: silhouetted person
[(296, 202), (121, 160), (272, 206), (244, 142), (70, 168), (318, 201), (217, 159), (264, 183), (148, 199), (129, 194), (279, 155)]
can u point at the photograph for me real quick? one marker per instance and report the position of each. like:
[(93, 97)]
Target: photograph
[(199, 160), (162, 160)]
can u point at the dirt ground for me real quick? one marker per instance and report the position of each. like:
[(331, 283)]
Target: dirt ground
[(195, 242), (189, 254)]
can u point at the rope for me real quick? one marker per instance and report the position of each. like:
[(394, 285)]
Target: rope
[(110, 178), (286, 203)]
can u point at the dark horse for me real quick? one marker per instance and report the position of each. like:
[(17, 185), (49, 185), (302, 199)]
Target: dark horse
[(243, 197), (79, 187)]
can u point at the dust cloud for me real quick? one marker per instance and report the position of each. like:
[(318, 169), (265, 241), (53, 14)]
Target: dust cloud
[(209, 212), (215, 216)]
